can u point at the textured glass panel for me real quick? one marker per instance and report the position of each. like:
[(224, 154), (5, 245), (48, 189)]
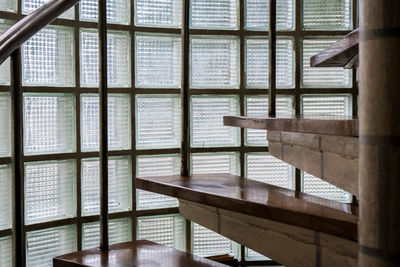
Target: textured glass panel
[(258, 107), (207, 128), (158, 121), (8, 5), (43, 245), (117, 11), (214, 14), (119, 231), (257, 63), (5, 66), (315, 186), (6, 251), (214, 62), (118, 59), (161, 13), (49, 190), (48, 58), (5, 198), (215, 163), (167, 230), (30, 5), (267, 169), (328, 104), (158, 61), (119, 122), (5, 125), (49, 123), (257, 14), (119, 185), (158, 165), (326, 76), (327, 14)]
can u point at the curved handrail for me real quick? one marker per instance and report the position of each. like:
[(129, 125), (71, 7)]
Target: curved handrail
[(31, 24)]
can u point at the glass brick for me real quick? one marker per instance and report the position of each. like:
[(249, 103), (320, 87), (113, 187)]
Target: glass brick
[(48, 58), (119, 185), (252, 255), (326, 104), (5, 66), (5, 198), (257, 15), (207, 127), (214, 62), (215, 163), (5, 125), (50, 190), (117, 11), (157, 165), (322, 76), (327, 14), (167, 230), (6, 251), (265, 168), (119, 122), (8, 5), (118, 59), (43, 245), (158, 121), (119, 231), (158, 61), (31, 5), (49, 123), (214, 14), (158, 13), (257, 63)]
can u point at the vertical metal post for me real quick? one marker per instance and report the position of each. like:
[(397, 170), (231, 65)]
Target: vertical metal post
[(272, 59)]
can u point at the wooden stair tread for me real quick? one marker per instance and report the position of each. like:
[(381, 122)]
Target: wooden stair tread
[(258, 199), (136, 253)]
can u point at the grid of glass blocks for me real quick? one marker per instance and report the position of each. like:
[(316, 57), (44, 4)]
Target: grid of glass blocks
[(117, 11), (158, 13), (325, 76), (315, 186), (119, 122), (43, 245), (215, 163), (119, 185), (167, 230), (6, 251), (158, 121), (158, 61), (5, 125), (326, 104), (211, 14), (265, 168), (49, 123), (214, 62), (48, 58), (257, 14), (50, 190), (256, 64), (5, 198), (327, 14), (118, 59), (5, 66), (30, 5), (207, 128), (119, 231), (157, 165)]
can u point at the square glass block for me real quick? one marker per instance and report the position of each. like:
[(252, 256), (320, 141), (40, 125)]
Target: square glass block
[(265, 168), (251, 255), (326, 104), (8, 5), (167, 230), (50, 192), (5, 198), (157, 165), (48, 58), (215, 163), (5, 67), (257, 15), (214, 62), (257, 63), (158, 121), (119, 231), (118, 59), (317, 187), (207, 127), (257, 106), (214, 14), (119, 122), (49, 123), (158, 61), (5, 125), (31, 5), (322, 77), (327, 14), (6, 251), (43, 245), (158, 13), (119, 185), (117, 11)]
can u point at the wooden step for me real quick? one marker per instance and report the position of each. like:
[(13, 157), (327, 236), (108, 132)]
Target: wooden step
[(136, 253), (258, 199)]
